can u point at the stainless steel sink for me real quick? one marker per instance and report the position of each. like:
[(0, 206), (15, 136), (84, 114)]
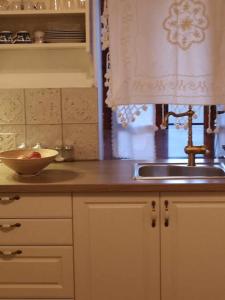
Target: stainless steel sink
[(147, 171)]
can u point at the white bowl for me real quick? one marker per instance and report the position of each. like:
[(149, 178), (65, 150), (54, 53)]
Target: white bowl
[(27, 166)]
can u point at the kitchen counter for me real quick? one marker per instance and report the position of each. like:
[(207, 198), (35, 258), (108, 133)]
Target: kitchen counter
[(97, 176)]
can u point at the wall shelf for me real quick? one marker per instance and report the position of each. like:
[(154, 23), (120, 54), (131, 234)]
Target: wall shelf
[(41, 12), (46, 80), (63, 64), (43, 46)]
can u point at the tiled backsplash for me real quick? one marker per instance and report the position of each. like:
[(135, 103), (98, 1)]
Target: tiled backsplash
[(52, 117)]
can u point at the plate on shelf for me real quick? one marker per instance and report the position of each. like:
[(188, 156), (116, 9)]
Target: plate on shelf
[(64, 32), (59, 30), (22, 42), (64, 36), (64, 41)]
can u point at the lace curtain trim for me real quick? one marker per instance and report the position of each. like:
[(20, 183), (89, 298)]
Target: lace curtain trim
[(125, 113)]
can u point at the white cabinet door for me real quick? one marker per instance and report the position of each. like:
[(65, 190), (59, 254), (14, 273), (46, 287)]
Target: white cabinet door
[(116, 246), (193, 246)]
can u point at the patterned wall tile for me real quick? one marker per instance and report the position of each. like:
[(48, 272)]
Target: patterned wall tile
[(43, 106), (47, 135), (43, 118), (7, 141), (19, 130), (84, 137), (12, 106), (79, 105)]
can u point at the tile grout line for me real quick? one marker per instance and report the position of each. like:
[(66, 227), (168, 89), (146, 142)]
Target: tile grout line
[(25, 116), (61, 111)]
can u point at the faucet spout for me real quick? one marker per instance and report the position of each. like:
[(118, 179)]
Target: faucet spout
[(190, 149), (188, 113)]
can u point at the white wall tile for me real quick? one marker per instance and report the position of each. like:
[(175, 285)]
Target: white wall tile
[(79, 105), (12, 106), (19, 130), (43, 110), (43, 106), (47, 135), (7, 141), (84, 137)]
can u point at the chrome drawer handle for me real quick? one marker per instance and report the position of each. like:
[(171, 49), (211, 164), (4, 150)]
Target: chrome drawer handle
[(9, 199), (9, 226), (10, 253)]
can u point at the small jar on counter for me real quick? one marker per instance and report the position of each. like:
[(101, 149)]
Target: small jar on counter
[(59, 157), (22, 146), (67, 153)]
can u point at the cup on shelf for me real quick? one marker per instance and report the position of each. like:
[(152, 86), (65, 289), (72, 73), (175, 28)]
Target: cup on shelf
[(22, 37), (6, 37), (68, 4), (39, 36), (55, 5)]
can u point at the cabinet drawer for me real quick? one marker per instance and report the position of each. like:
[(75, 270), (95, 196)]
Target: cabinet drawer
[(38, 272), (35, 232), (43, 205)]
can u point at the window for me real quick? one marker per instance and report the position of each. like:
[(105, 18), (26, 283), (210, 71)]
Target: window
[(137, 141), (177, 138), (140, 140)]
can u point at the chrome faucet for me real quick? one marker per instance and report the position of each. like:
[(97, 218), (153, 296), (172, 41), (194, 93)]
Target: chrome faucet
[(190, 149)]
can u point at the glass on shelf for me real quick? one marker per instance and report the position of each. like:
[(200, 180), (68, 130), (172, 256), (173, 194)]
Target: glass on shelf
[(55, 5), (28, 5), (40, 5), (15, 5), (81, 3), (68, 4)]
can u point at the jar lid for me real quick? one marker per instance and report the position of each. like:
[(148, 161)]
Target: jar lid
[(68, 147)]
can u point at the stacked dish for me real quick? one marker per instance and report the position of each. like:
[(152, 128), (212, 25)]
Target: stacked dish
[(64, 36)]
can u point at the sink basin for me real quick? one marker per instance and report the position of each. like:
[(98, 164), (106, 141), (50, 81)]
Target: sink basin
[(147, 171)]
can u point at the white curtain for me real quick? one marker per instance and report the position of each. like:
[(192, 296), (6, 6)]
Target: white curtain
[(137, 141), (166, 51)]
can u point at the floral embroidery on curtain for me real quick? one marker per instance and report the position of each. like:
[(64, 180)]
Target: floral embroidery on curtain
[(186, 23)]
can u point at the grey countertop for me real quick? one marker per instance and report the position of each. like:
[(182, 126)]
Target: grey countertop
[(97, 176)]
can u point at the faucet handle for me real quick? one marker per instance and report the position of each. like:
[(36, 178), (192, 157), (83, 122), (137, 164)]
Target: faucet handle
[(196, 149)]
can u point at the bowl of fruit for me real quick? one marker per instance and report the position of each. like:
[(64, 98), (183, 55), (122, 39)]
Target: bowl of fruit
[(28, 162)]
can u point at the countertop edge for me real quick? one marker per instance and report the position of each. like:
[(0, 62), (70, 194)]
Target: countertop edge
[(168, 187)]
